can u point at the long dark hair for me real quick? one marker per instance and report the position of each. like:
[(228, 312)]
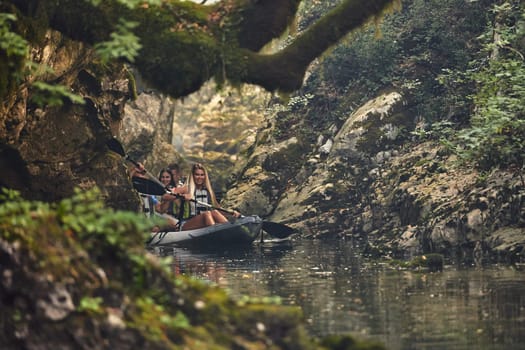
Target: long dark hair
[(165, 170)]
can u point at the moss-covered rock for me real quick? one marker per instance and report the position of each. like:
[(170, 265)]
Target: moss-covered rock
[(432, 262), (75, 274)]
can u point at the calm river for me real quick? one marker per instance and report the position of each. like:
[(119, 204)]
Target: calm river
[(340, 292)]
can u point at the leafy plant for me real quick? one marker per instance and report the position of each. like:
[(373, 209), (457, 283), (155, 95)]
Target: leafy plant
[(293, 104), (53, 95), (97, 226), (496, 134), (153, 318), (91, 305), (83, 216), (14, 50), (124, 44), (131, 4), (245, 299), (415, 45), (11, 43)]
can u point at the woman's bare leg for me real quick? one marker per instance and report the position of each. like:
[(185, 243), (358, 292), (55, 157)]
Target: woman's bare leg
[(208, 218), (194, 223), (199, 221), (218, 217)]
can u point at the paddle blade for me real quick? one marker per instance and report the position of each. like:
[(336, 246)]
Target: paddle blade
[(114, 145), (277, 230), (146, 186)]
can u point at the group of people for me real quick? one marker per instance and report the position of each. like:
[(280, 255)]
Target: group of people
[(184, 206)]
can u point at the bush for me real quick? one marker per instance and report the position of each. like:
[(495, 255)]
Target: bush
[(496, 134)]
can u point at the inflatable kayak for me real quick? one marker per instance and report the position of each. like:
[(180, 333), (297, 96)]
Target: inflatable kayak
[(242, 231)]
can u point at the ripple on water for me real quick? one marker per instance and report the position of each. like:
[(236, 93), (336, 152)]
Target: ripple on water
[(340, 292)]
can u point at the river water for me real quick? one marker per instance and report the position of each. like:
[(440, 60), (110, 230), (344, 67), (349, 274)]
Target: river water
[(340, 292)]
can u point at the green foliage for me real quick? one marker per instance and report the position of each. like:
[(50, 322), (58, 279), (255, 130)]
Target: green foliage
[(271, 300), (153, 318), (130, 4), (17, 216), (496, 134), (414, 46), (365, 63), (124, 44), (84, 216), (90, 305), (11, 43), (97, 226), (472, 97), (293, 105), (54, 235), (45, 94), (14, 50), (346, 342), (53, 95), (442, 130), (99, 254)]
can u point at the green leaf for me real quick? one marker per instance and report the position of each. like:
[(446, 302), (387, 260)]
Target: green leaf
[(124, 43), (53, 95)]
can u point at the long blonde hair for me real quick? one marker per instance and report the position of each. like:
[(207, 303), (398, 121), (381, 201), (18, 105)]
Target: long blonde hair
[(207, 183)]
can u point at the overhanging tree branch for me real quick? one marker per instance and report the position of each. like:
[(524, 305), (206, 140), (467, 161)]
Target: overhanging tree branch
[(185, 44), (285, 70)]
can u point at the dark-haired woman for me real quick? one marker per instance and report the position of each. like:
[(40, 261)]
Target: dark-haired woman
[(169, 206)]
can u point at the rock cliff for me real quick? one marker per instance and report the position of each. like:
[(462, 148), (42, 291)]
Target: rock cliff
[(47, 151), (372, 182)]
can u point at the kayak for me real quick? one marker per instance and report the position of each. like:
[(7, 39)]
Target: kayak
[(274, 229), (242, 231)]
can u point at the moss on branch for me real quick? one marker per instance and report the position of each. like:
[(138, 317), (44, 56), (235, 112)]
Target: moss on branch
[(285, 70), (265, 20), (185, 44)]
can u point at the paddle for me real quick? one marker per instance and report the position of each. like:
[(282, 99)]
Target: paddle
[(146, 186), (114, 145), (155, 187)]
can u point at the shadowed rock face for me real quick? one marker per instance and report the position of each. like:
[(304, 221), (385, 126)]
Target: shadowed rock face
[(50, 150)]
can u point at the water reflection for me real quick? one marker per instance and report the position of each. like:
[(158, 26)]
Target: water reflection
[(340, 292)]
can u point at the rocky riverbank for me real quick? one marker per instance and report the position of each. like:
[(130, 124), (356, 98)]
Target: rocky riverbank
[(401, 196)]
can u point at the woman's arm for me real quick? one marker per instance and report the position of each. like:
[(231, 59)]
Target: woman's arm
[(167, 198)]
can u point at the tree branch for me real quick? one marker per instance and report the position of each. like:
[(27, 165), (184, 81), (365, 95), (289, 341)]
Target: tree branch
[(265, 20), (185, 44), (285, 70)]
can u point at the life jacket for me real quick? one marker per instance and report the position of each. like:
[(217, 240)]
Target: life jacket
[(179, 209), (201, 196)]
